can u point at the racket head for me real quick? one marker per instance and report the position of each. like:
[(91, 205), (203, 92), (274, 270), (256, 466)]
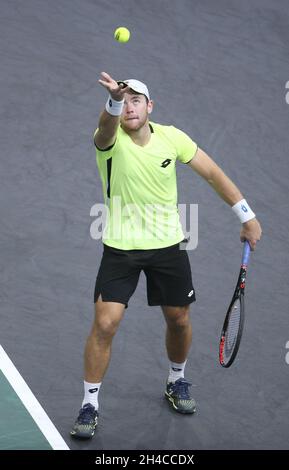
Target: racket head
[(232, 331)]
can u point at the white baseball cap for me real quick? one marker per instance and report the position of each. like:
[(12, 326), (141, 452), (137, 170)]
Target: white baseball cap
[(137, 86)]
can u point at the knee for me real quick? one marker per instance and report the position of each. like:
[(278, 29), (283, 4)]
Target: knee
[(105, 325), (180, 319)]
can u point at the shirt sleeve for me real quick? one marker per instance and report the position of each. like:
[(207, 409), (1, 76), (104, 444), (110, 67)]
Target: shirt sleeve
[(105, 153), (186, 148)]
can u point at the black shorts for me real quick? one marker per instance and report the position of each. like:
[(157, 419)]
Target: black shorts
[(167, 270)]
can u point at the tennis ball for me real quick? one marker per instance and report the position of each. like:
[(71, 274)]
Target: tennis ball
[(122, 34)]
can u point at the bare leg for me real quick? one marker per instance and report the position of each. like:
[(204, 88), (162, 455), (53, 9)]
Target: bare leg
[(179, 332), (178, 342), (98, 345)]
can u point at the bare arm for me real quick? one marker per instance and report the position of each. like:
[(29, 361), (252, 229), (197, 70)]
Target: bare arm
[(227, 190), (108, 124), (212, 173), (107, 129)]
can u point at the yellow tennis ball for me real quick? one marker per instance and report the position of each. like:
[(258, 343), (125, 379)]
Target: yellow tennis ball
[(122, 34)]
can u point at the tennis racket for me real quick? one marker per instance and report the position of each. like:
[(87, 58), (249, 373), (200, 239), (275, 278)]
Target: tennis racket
[(234, 321)]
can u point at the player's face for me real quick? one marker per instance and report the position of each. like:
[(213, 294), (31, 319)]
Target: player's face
[(135, 112)]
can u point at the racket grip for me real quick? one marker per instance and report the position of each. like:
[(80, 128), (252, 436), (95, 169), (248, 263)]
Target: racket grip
[(246, 253)]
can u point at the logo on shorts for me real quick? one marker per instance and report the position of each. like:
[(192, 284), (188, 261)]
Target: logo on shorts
[(93, 390), (166, 163), (190, 293)]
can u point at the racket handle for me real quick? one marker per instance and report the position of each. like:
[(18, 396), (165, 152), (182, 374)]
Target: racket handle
[(246, 253)]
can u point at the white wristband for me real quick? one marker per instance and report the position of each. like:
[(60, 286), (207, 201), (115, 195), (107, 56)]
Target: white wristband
[(114, 107), (243, 211)]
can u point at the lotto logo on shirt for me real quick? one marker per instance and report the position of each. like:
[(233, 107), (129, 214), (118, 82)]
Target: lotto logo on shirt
[(166, 163)]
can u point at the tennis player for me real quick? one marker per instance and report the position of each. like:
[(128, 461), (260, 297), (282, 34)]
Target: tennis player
[(136, 159)]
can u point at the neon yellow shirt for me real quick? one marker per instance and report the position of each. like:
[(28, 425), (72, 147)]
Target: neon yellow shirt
[(140, 188)]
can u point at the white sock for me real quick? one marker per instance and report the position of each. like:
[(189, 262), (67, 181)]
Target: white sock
[(176, 371), (91, 394)]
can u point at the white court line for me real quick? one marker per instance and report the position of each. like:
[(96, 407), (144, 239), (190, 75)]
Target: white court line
[(31, 403)]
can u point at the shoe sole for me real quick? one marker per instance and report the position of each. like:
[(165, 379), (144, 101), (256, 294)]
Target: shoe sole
[(185, 412), (79, 436), (82, 436)]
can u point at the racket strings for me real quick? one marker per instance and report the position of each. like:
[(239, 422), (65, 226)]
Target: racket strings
[(233, 328)]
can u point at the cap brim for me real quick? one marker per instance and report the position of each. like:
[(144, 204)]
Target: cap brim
[(121, 82)]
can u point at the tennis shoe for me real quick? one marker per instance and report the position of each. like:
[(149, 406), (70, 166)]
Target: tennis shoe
[(86, 422), (177, 394)]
